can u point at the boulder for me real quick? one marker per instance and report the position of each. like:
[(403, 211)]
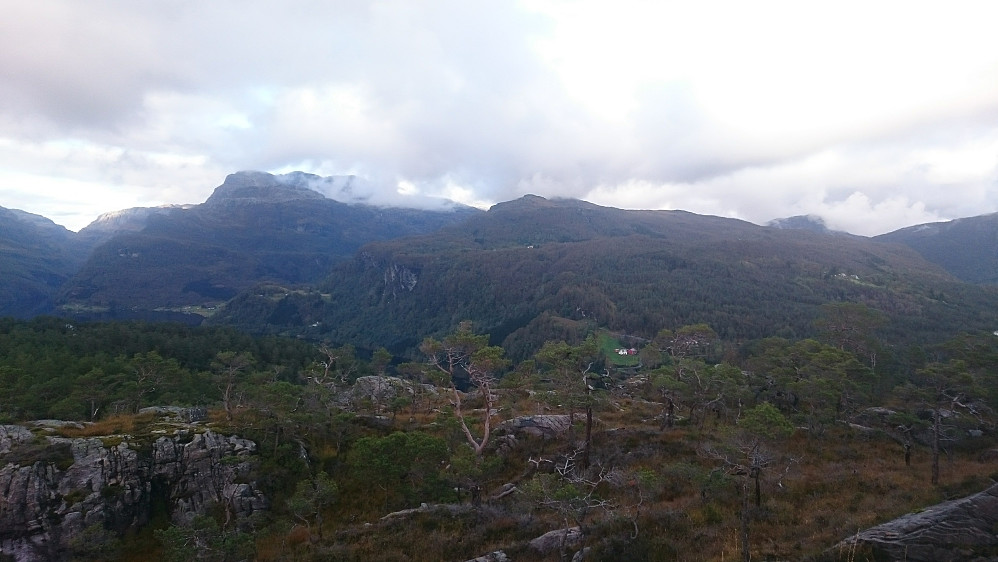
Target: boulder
[(497, 556), (546, 425), (953, 531), (553, 541), (380, 390)]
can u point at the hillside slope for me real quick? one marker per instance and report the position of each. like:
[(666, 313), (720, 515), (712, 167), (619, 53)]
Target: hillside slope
[(967, 248), (535, 269), (38, 256), (255, 228)]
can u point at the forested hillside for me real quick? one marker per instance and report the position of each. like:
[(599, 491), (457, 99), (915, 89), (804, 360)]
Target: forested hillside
[(179, 262), (37, 257), (255, 228), (967, 247), (532, 268)]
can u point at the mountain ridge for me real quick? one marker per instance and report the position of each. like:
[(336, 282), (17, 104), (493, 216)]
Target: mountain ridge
[(255, 227), (259, 229), (38, 256), (526, 266), (967, 247)]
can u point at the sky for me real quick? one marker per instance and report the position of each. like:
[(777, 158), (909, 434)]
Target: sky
[(872, 115)]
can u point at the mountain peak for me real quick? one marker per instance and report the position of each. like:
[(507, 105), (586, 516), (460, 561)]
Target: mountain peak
[(35, 221), (261, 187), (125, 220), (531, 201), (528, 201), (813, 223)]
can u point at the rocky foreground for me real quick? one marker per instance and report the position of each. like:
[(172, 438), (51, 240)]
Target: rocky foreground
[(57, 491), (954, 531)]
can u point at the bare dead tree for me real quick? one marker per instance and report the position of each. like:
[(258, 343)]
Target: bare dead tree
[(747, 460), (229, 366), (573, 492), (463, 351)]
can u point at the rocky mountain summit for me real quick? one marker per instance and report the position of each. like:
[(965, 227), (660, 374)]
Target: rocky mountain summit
[(812, 223), (62, 492), (261, 187), (109, 224)]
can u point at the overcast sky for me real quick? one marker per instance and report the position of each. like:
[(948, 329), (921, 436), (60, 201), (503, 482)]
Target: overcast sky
[(872, 115)]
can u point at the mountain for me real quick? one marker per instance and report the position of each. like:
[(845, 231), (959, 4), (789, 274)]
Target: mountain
[(38, 256), (967, 248), (813, 223), (255, 228), (269, 242), (126, 220), (535, 269)]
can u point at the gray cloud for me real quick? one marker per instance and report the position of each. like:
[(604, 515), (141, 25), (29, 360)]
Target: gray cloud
[(768, 112)]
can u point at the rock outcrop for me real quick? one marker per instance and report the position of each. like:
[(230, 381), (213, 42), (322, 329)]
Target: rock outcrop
[(556, 540), (953, 531), (546, 425), (380, 391), (496, 556), (55, 489)]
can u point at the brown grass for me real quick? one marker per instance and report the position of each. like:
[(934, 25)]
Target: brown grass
[(840, 482), (113, 425)]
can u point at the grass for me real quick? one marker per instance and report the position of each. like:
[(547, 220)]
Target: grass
[(675, 502), (609, 346), (122, 424), (682, 504)]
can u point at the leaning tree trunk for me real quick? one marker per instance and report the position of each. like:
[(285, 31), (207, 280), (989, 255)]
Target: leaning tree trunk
[(936, 428), (746, 554), (755, 473)]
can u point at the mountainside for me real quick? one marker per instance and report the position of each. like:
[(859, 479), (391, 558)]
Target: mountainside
[(967, 248), (276, 238), (803, 222), (536, 269), (255, 228), (38, 256), (126, 220)]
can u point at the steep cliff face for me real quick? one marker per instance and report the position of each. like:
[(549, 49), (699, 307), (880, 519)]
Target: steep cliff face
[(54, 489)]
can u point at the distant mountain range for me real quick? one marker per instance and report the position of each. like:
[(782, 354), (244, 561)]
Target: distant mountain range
[(271, 254), (535, 269), (165, 262)]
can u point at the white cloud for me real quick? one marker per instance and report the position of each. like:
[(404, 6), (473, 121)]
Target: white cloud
[(872, 115)]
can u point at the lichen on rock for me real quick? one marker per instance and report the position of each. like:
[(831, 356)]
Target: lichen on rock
[(56, 488)]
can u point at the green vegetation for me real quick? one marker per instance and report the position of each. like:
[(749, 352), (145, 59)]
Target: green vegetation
[(959, 246), (611, 346), (708, 450), (38, 256), (51, 368), (532, 270), (205, 255)]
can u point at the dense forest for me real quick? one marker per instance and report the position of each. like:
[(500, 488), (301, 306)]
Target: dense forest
[(747, 284), (684, 445)]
